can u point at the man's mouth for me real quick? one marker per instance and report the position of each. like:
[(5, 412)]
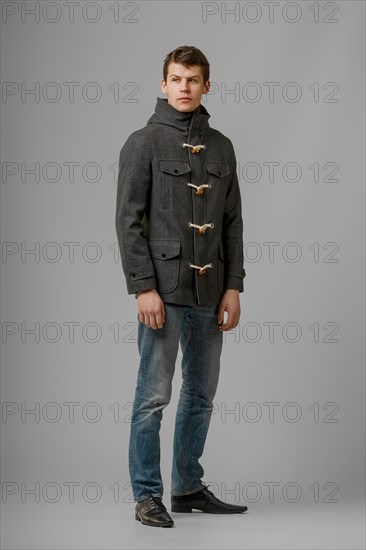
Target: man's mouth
[(184, 99)]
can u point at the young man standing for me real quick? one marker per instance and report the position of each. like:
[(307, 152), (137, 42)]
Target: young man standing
[(180, 233)]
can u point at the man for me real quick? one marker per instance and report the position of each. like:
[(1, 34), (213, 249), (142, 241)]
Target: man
[(179, 227)]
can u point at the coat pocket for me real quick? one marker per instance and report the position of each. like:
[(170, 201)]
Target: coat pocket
[(165, 255), (173, 172), (218, 169)]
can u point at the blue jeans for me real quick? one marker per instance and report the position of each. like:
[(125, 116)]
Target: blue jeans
[(195, 327)]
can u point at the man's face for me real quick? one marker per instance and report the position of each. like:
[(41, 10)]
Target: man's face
[(182, 83)]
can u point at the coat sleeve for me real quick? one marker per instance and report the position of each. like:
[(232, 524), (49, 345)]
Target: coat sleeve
[(133, 197), (233, 231)]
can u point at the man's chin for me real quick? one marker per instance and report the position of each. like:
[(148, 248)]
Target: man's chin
[(185, 107)]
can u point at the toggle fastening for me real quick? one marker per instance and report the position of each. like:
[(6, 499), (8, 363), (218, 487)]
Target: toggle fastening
[(201, 228), (195, 148), (201, 270), (199, 188)]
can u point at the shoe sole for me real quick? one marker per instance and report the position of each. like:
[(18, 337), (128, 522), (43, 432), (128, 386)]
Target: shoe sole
[(151, 524), (188, 509)]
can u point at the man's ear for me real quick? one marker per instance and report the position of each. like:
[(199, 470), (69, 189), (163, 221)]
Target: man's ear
[(207, 87), (163, 86)]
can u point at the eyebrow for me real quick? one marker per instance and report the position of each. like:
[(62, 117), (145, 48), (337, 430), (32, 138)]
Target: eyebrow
[(192, 76)]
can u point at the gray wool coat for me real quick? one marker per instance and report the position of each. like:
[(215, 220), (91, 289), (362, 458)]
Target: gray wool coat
[(165, 186)]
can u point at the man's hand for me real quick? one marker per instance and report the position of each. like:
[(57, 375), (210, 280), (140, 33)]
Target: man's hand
[(229, 302), (151, 308)]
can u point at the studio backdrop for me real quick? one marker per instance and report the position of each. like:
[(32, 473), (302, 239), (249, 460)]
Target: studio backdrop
[(287, 87)]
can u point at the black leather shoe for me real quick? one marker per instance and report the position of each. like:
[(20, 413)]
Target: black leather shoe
[(205, 501), (151, 511)]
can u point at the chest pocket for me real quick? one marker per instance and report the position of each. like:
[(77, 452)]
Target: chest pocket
[(173, 173), (218, 169)]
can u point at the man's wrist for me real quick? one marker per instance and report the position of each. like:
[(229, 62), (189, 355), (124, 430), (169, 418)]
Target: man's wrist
[(232, 289), (137, 294)]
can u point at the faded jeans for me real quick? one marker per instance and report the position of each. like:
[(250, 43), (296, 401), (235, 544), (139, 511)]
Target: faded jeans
[(196, 329)]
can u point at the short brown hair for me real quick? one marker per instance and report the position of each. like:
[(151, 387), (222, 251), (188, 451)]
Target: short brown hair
[(187, 56)]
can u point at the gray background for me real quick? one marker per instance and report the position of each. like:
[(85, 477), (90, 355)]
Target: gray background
[(311, 451)]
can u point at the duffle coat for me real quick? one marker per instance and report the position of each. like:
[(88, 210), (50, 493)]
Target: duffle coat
[(178, 209)]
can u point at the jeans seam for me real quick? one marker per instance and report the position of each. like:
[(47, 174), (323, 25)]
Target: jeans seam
[(193, 404)]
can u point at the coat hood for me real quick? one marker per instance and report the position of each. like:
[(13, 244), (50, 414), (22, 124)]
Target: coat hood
[(167, 115)]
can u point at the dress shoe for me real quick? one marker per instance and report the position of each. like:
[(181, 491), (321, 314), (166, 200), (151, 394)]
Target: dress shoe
[(205, 501), (151, 511)]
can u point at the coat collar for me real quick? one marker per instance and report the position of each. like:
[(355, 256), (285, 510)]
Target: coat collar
[(167, 115)]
